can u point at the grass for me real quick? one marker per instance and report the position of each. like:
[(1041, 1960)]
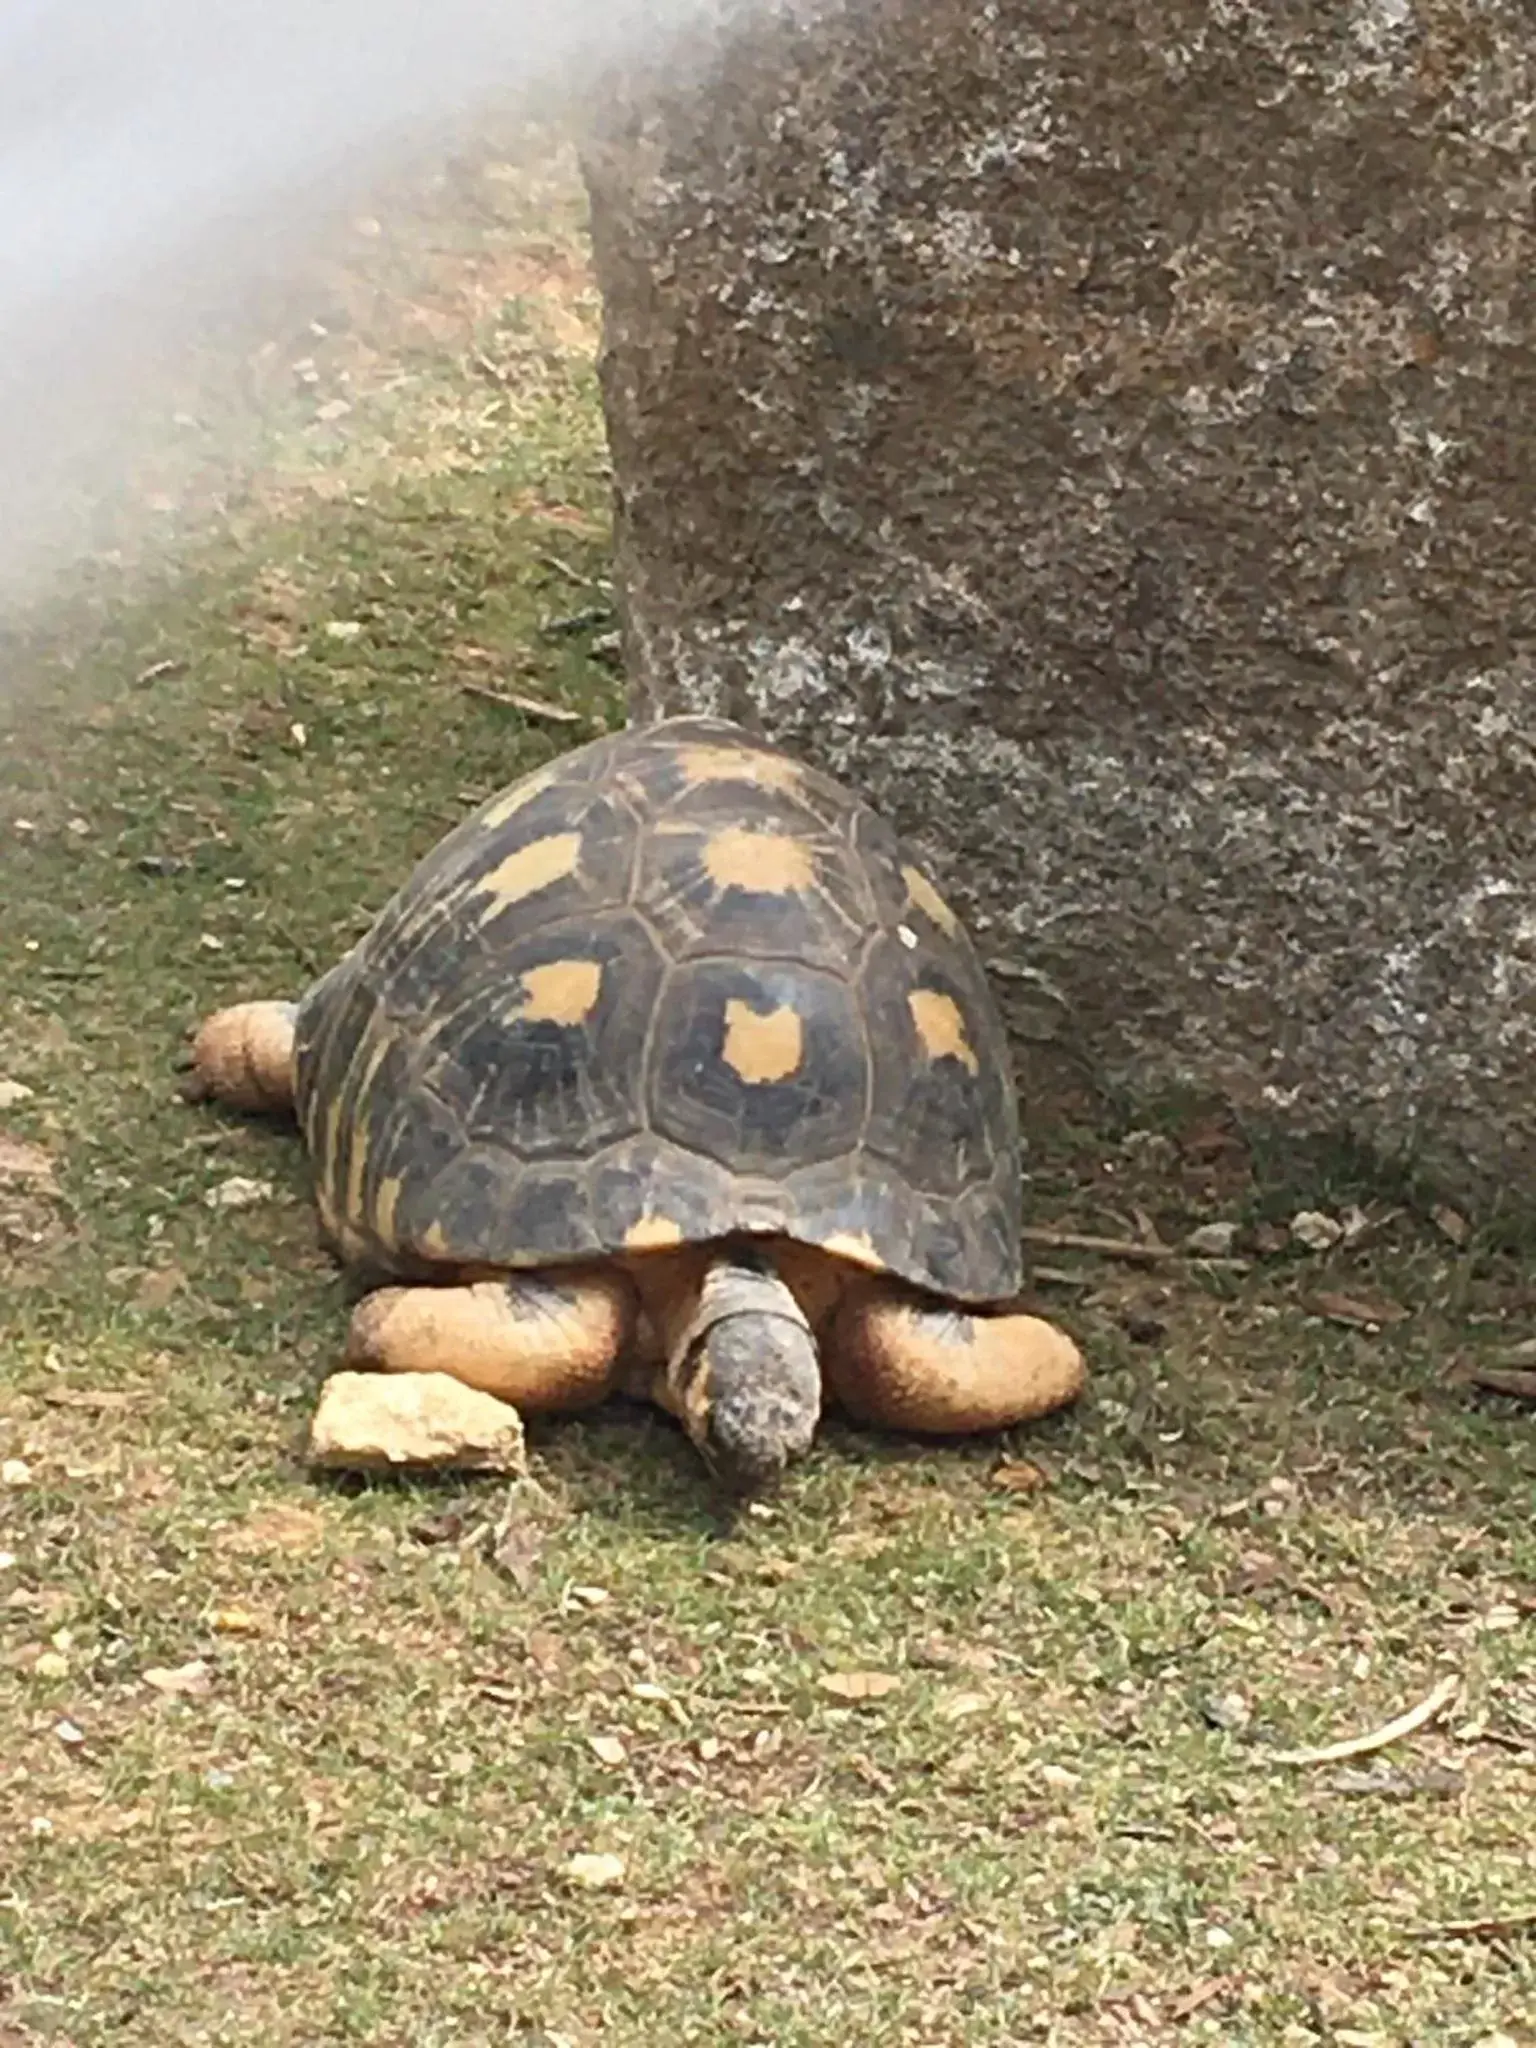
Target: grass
[(287, 1760)]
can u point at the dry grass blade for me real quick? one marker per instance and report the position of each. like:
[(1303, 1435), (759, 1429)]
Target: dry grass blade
[(1376, 1738)]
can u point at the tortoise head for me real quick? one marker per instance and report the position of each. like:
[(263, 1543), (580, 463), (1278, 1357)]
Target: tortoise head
[(749, 1376)]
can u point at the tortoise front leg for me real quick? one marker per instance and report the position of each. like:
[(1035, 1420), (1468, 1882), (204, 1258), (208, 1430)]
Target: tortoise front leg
[(894, 1360), (243, 1056), (546, 1345)]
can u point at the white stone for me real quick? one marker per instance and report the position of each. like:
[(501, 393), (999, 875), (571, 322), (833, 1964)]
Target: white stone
[(373, 1422)]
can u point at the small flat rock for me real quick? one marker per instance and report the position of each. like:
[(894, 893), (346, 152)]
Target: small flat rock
[(374, 1422)]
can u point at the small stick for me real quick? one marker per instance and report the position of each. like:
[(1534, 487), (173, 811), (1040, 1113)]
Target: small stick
[(1123, 1248), (1448, 1930), (563, 568), (531, 707), (1501, 1379), (1378, 1738), (1061, 1276)]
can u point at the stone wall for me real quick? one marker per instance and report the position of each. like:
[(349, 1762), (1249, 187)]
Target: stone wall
[(1106, 434)]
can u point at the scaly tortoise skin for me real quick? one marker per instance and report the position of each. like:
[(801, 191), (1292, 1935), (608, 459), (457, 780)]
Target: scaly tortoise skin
[(675, 1032)]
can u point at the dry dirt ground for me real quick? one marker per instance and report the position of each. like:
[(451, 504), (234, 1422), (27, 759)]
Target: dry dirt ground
[(976, 1744)]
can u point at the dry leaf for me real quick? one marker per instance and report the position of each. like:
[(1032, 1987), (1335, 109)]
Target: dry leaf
[(859, 1685), (595, 1872), (236, 1621), (22, 1162), (545, 1651), (1019, 1475), (608, 1749), (961, 1705), (447, 1527), (181, 1679), (1450, 1223), (1211, 1240), (158, 1286), (1349, 1308), (1059, 1776), (275, 1529)]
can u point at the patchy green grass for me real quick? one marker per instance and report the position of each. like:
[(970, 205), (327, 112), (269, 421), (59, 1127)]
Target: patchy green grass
[(295, 1761)]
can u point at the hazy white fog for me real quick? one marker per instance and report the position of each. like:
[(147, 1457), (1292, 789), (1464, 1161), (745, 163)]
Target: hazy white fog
[(137, 136)]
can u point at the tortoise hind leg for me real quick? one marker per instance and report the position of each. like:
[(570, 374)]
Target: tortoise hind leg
[(546, 1344), (243, 1056), (899, 1362)]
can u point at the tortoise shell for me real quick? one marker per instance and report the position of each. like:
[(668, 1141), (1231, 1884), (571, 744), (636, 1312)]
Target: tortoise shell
[(672, 986)]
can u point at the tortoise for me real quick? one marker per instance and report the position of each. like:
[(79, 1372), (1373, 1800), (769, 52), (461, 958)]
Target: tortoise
[(669, 1071)]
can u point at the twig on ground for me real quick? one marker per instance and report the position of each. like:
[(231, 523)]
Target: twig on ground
[(1377, 1738), (1490, 1929), (579, 577), (531, 707), (1061, 1276), (1500, 1379), (1124, 1248)]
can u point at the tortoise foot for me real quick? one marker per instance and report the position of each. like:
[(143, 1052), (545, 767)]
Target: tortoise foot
[(243, 1056), (545, 1344), (899, 1363)]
